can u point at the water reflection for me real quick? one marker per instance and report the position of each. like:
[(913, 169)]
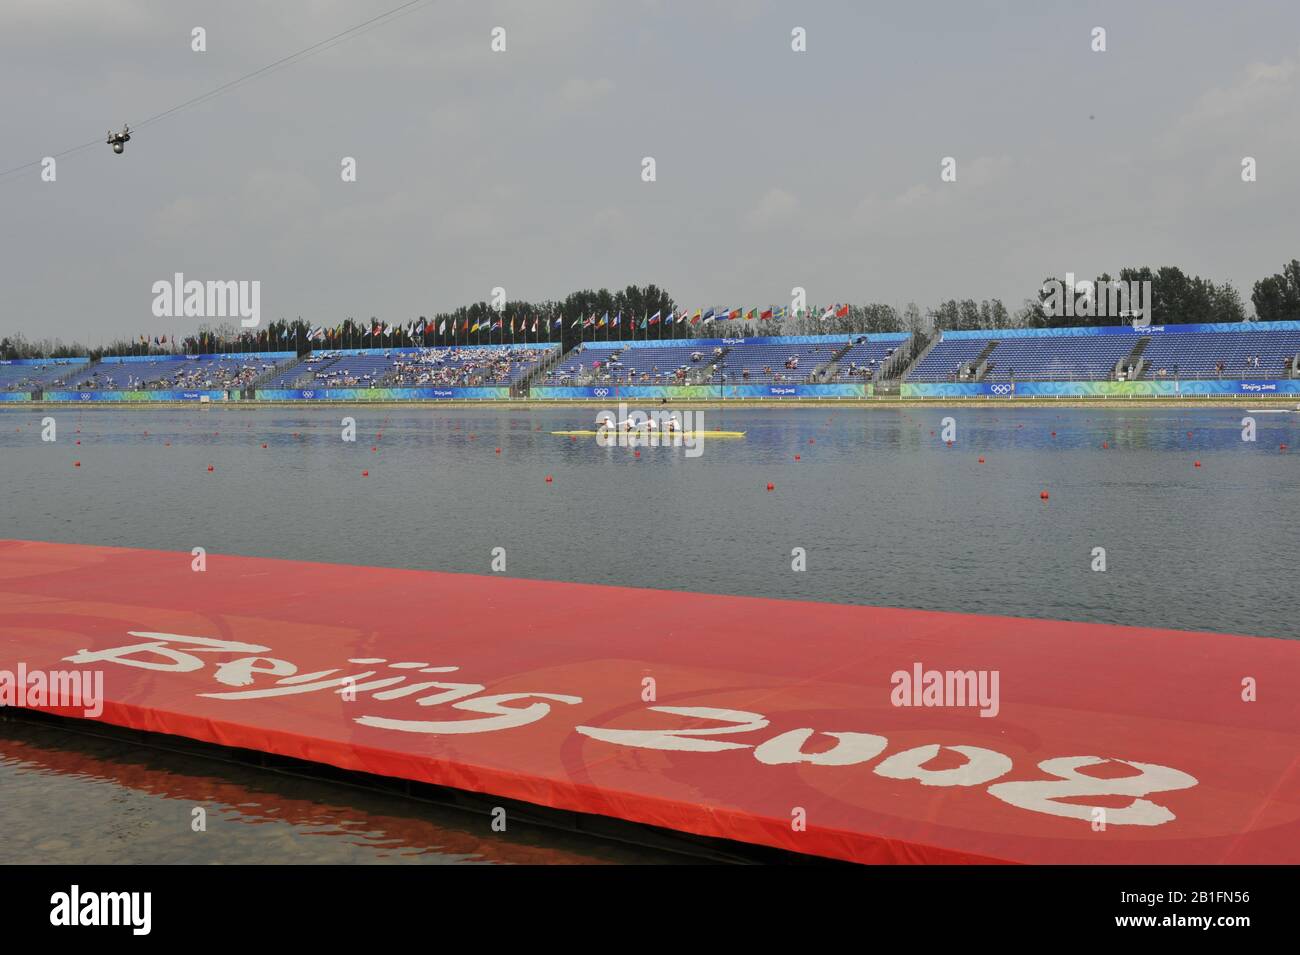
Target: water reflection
[(75, 799)]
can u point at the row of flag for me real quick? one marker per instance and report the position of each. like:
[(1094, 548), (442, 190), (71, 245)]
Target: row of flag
[(467, 326), (538, 325), (703, 316)]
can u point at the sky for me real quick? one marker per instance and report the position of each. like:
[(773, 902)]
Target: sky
[(523, 169)]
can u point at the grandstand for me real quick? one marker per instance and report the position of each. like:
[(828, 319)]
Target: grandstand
[(30, 374), (946, 358), (335, 370), (1200, 354), (864, 359), (498, 365), (1250, 350), (1087, 358), (1262, 351), (761, 360), (168, 373), (779, 362)]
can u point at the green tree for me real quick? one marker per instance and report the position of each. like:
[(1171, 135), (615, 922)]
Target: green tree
[(1277, 298)]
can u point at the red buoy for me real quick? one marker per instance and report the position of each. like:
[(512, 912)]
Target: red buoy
[(1105, 444), (210, 467), (76, 464), (1053, 434), (1197, 464), (636, 454), (263, 444), (365, 474), (79, 442), (771, 486), (549, 479), (796, 457), (373, 448), (498, 450), (981, 460), (1043, 495)]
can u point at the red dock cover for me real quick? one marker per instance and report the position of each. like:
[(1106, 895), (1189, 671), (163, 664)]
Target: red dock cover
[(806, 726)]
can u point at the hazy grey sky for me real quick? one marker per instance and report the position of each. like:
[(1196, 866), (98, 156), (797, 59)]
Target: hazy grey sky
[(522, 169)]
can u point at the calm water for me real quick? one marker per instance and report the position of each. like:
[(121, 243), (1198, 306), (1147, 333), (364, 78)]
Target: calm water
[(886, 511)]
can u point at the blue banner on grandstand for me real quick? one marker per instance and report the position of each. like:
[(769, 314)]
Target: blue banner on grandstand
[(1098, 389), (15, 396), (382, 394), (759, 340), (700, 392), (44, 361), (415, 350), (127, 359), (135, 396)]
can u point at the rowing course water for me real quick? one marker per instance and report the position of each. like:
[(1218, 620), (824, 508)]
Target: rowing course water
[(887, 513)]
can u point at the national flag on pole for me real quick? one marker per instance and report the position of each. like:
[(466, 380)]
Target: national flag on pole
[(751, 315), (708, 316), (764, 315), (830, 311), (734, 313), (654, 319), (442, 326), (842, 312), (604, 320), (578, 321), (474, 328)]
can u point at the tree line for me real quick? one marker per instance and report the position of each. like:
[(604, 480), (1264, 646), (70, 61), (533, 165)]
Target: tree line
[(1177, 299)]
